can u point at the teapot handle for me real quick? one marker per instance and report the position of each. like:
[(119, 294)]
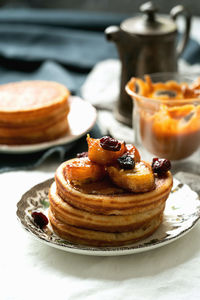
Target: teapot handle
[(175, 12)]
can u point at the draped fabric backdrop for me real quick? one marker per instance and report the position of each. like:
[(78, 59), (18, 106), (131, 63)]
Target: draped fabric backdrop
[(57, 45)]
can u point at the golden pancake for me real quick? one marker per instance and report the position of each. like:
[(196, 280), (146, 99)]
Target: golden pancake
[(104, 197), (70, 215), (33, 111), (99, 238)]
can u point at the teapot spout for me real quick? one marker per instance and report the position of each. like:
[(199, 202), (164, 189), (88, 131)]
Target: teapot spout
[(117, 35), (112, 33)]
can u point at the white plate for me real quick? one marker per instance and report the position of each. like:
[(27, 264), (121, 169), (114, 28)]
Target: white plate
[(82, 117), (181, 214)]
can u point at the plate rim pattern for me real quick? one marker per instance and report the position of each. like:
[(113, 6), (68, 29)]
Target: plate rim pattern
[(41, 235)]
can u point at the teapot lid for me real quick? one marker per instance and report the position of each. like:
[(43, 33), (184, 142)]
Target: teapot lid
[(149, 23)]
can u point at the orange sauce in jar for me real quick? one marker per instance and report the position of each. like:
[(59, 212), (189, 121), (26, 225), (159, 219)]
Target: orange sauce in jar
[(170, 120)]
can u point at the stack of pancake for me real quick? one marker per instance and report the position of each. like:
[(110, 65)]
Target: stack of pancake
[(103, 214), (33, 112)]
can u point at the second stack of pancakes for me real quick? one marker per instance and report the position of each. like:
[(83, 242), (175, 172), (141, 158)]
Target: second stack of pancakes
[(33, 112)]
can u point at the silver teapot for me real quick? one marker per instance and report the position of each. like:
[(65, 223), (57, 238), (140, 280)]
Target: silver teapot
[(146, 44)]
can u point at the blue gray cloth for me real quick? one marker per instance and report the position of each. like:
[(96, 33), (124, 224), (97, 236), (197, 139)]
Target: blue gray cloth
[(56, 45), (10, 162)]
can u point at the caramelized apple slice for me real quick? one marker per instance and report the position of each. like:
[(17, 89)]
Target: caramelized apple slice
[(99, 155), (138, 180), (82, 170), (133, 151)]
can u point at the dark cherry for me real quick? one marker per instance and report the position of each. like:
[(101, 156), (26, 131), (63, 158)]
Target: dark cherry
[(126, 162), (40, 219), (110, 144), (160, 165), (82, 154)]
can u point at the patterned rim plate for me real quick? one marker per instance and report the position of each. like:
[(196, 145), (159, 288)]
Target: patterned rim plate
[(181, 214), (81, 118)]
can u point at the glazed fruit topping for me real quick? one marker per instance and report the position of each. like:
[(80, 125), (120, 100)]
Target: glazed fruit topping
[(40, 219), (82, 154), (126, 162), (160, 165), (83, 170), (110, 144)]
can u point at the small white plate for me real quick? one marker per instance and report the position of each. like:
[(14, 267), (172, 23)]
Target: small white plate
[(82, 117), (181, 214)]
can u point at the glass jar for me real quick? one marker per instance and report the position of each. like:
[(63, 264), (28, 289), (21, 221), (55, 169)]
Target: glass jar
[(168, 128)]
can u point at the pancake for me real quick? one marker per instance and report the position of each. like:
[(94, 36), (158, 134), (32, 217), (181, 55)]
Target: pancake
[(32, 112), (66, 213), (106, 198), (99, 238), (101, 213)]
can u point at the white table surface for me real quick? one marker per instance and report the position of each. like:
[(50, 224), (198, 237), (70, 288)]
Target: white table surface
[(32, 270)]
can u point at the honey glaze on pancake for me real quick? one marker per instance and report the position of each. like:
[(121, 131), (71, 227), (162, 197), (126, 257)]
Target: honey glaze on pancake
[(102, 187), (30, 94), (107, 187)]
